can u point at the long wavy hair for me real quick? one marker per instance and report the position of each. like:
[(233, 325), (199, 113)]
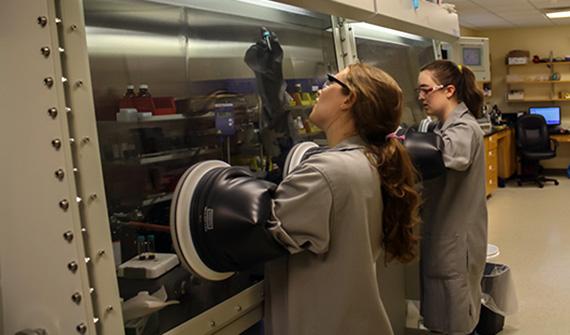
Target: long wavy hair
[(377, 111)]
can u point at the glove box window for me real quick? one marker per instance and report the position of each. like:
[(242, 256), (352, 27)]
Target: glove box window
[(171, 88)]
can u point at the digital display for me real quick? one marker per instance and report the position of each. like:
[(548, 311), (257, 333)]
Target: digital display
[(472, 56), (550, 114), (224, 119)]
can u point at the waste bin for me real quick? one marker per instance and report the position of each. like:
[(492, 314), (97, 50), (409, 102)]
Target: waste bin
[(499, 299)]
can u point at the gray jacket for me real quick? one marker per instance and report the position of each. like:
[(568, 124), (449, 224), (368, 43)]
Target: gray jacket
[(329, 210), (454, 231)]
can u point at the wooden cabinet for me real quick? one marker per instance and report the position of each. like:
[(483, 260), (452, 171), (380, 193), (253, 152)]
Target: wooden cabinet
[(507, 153), (500, 158), (491, 164)]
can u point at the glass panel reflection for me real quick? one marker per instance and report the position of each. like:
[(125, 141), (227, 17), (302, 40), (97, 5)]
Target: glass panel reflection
[(399, 54)]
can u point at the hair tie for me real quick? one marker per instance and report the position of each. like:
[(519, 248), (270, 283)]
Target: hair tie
[(460, 67), (398, 137)]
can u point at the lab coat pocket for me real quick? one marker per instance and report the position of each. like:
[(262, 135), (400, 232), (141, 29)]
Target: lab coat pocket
[(444, 257)]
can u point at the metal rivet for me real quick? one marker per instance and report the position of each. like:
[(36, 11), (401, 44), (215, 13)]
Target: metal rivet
[(212, 324), (93, 197), (73, 27), (68, 236), (100, 253), (48, 81), (109, 309), (67, 109), (95, 320), (64, 204), (72, 266), (81, 328), (76, 298), (71, 140), (84, 230), (87, 260), (78, 200), (85, 140), (79, 83), (56, 143), (52, 112), (238, 308), (45, 51), (91, 290), (58, 20), (61, 50), (64, 79), (42, 21), (59, 174)]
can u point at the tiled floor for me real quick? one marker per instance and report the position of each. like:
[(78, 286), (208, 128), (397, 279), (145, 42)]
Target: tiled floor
[(531, 226)]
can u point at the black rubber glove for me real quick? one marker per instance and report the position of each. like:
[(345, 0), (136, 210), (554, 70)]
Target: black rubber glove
[(229, 214)]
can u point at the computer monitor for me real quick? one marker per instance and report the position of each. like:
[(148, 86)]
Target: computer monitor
[(551, 114)]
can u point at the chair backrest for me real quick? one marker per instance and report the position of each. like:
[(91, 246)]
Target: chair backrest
[(532, 133)]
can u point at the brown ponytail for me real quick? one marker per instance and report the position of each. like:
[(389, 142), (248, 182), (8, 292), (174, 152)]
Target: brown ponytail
[(449, 73), (377, 110)]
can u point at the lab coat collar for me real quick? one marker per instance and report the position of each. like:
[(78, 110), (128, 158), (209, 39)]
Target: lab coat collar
[(457, 113), (354, 142)]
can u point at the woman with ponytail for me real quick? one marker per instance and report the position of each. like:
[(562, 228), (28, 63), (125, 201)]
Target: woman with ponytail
[(454, 212), (344, 211)]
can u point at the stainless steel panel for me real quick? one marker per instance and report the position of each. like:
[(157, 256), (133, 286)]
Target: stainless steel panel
[(37, 284), (187, 50)]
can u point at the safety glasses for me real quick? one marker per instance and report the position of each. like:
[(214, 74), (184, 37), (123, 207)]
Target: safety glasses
[(425, 91), (331, 79)]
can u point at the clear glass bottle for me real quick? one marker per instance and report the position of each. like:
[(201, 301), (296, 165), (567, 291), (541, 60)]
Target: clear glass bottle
[(150, 247), (297, 95), (141, 247), (130, 92), (314, 93), (143, 91)]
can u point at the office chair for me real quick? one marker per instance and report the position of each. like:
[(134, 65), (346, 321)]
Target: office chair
[(534, 144)]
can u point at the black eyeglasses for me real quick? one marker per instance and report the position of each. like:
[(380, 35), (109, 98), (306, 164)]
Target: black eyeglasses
[(332, 79)]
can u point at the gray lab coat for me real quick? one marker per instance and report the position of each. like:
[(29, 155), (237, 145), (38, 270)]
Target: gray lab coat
[(454, 231), (330, 214)]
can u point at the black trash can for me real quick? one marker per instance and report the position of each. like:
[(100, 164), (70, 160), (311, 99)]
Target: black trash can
[(499, 299), (490, 323)]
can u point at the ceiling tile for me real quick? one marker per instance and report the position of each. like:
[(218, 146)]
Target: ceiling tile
[(550, 3), (505, 13)]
